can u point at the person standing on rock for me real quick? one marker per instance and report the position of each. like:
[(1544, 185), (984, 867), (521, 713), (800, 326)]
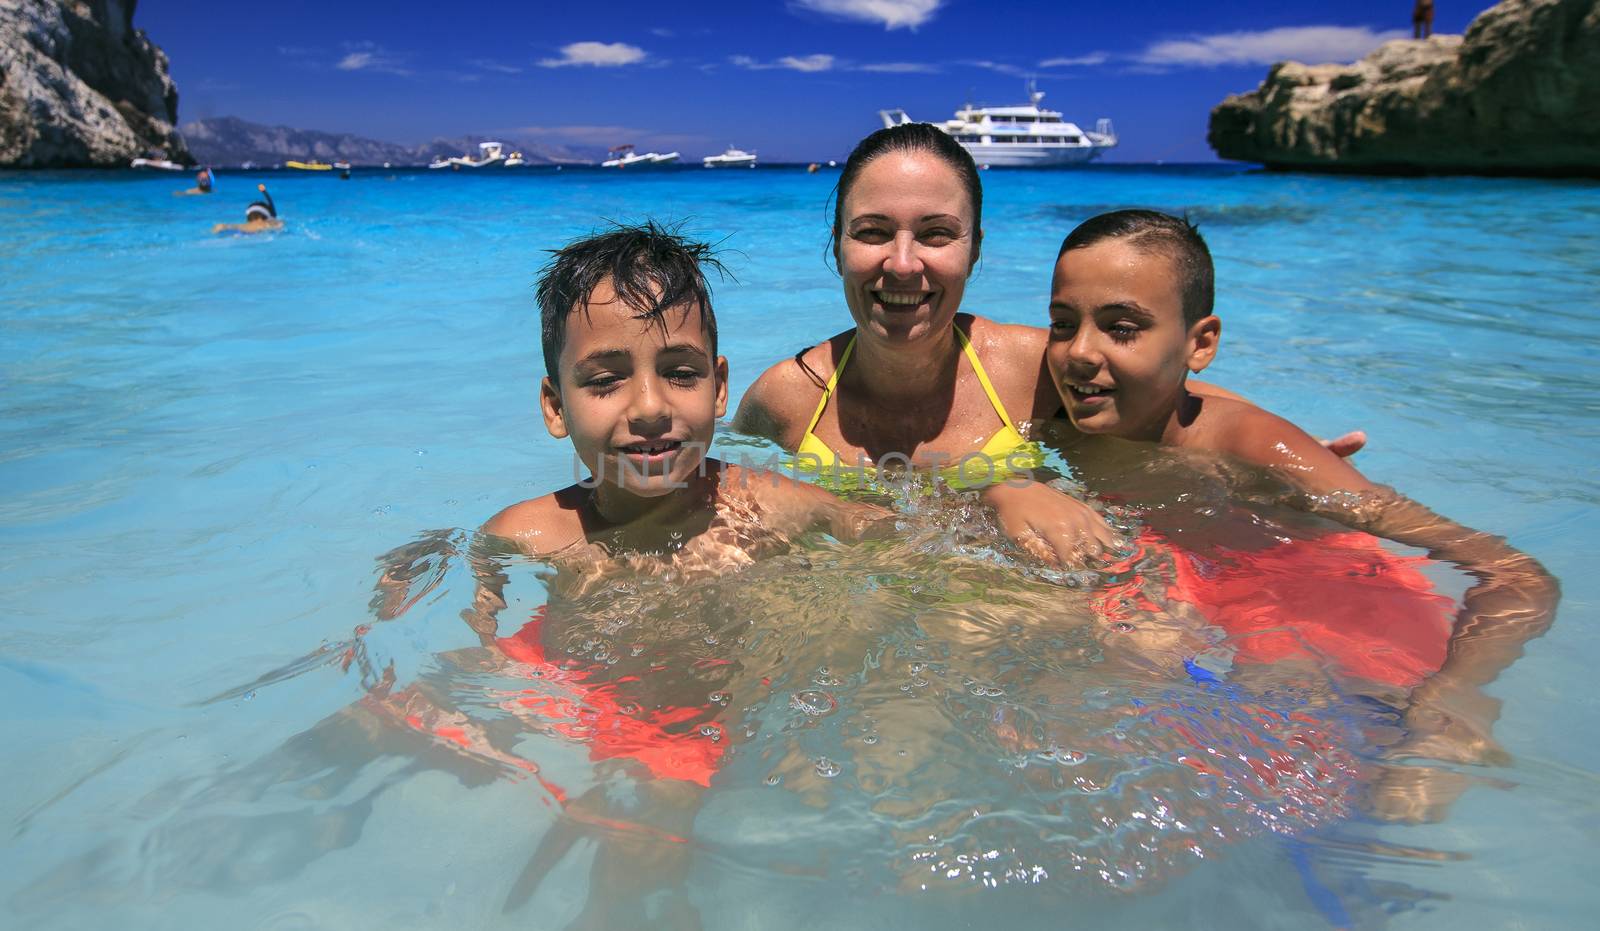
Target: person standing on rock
[(1422, 19)]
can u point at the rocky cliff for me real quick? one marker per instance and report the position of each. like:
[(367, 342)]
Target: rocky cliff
[(1519, 93), (231, 141), (79, 86)]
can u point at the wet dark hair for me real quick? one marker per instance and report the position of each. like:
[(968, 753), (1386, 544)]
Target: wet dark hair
[(652, 269), (1152, 231), (908, 137)]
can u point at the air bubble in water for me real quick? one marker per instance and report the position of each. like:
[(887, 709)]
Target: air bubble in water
[(774, 779), (813, 702), (827, 768)]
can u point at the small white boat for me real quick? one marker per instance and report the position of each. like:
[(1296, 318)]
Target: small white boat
[(159, 163), (515, 159), (488, 154), (623, 156), (733, 158), (438, 163)]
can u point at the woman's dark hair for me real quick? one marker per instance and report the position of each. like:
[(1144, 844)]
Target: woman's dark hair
[(1151, 231), (908, 137), (651, 268)]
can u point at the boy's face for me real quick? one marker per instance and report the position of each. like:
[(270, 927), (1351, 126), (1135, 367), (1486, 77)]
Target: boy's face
[(638, 401), (1119, 350)]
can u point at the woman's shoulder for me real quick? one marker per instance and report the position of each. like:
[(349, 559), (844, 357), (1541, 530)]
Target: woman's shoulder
[(785, 394), (1013, 346), (1013, 356)]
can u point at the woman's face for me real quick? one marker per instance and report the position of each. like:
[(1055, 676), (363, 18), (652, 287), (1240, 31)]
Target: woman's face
[(906, 247)]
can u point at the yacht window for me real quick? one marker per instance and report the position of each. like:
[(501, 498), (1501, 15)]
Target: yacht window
[(1074, 139)]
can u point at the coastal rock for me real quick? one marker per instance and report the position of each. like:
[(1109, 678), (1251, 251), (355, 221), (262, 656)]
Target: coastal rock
[(1519, 93), (79, 86), (231, 141)]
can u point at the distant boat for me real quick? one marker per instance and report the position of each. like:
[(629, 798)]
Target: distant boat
[(489, 154), (515, 159), (440, 162), (342, 166), (160, 163), (623, 156), (309, 166), (733, 158)]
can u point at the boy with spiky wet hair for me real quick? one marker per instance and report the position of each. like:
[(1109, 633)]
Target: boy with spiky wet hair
[(633, 379)]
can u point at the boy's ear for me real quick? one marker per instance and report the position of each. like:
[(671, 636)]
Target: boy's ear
[(722, 385), (555, 415), (1204, 336)]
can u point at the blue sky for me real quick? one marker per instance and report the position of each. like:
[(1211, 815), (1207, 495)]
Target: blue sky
[(800, 80)]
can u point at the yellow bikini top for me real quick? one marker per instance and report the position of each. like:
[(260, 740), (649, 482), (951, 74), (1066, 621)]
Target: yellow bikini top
[(1005, 455)]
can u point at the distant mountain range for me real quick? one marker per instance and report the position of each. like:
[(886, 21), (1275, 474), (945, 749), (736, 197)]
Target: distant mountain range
[(228, 140)]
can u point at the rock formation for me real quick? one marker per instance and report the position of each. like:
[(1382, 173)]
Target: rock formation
[(1519, 93), (79, 86)]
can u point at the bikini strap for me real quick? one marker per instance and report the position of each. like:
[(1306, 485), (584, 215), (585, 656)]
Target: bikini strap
[(833, 382), (983, 378)]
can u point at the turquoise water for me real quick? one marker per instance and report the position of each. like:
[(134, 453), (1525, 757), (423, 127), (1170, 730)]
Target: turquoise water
[(208, 445)]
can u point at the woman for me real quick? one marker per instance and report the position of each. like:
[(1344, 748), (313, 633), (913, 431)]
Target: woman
[(915, 379)]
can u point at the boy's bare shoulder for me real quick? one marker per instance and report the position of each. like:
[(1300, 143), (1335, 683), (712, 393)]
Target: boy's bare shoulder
[(1240, 429), (541, 526)]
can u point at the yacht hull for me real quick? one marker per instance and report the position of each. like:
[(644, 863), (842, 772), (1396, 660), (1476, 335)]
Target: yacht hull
[(1023, 155)]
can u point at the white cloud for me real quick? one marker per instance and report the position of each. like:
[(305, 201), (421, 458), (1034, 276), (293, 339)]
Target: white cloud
[(489, 64), (999, 66), (368, 56), (892, 13), (900, 67), (1310, 44), (598, 54), (1093, 58), (808, 63)]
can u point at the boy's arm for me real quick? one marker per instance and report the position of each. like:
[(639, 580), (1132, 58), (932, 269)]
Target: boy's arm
[(798, 507), (1512, 600)]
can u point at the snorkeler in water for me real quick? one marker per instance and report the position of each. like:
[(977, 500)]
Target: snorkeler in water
[(204, 183), (260, 217)]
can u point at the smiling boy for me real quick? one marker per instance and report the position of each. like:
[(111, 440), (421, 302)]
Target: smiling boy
[(635, 383), (1130, 319)]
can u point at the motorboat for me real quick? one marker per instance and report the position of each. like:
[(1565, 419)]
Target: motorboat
[(489, 153), (515, 159), (733, 158), (161, 164), (442, 162), (623, 156), (1020, 136)]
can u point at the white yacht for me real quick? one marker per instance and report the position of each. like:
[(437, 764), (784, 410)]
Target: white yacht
[(733, 158), (666, 159), (1021, 136)]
